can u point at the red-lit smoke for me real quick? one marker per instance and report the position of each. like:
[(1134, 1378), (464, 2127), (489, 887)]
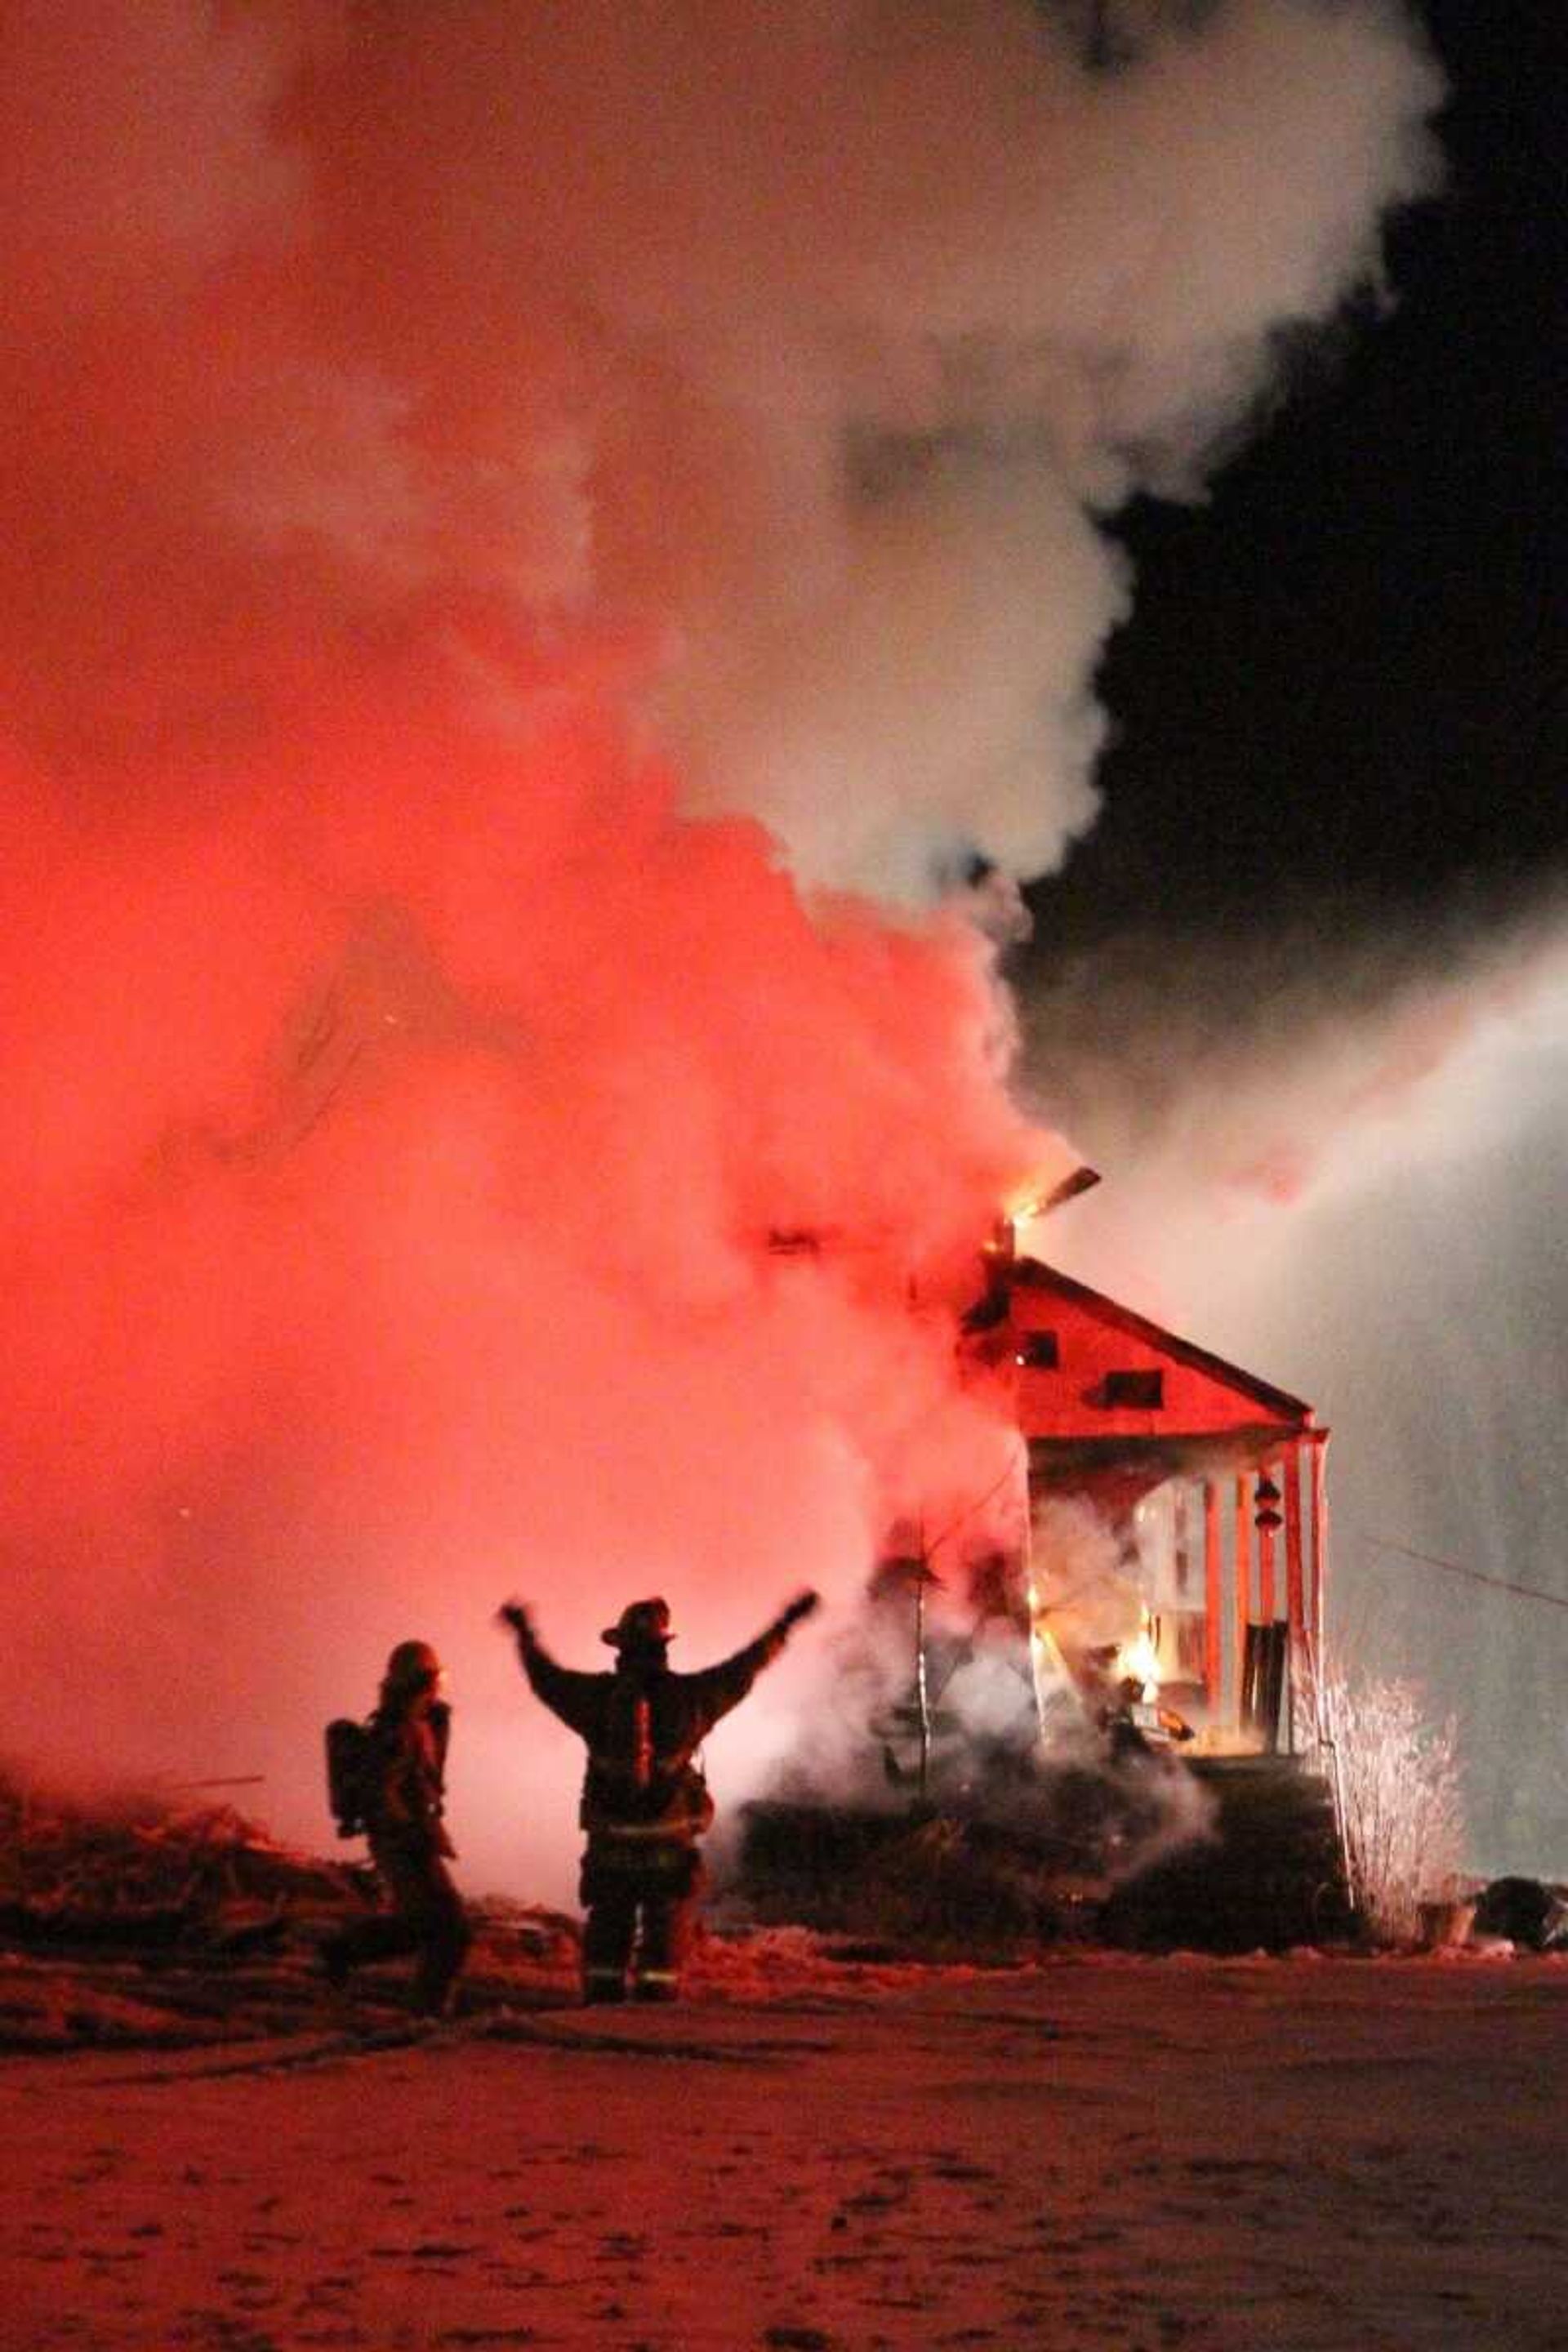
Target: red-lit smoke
[(509, 519)]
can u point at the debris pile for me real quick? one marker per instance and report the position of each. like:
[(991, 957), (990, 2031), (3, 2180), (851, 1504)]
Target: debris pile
[(916, 1879), (143, 1871), (147, 1921)]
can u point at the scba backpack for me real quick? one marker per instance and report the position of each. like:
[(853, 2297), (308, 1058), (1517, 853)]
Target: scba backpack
[(353, 1774)]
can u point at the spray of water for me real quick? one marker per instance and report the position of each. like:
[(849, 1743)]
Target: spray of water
[(1342, 1164)]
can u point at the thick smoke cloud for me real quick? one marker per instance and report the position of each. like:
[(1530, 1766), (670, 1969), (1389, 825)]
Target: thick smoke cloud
[(535, 544)]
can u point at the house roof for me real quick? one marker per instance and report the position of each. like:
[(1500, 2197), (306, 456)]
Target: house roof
[(1256, 1401)]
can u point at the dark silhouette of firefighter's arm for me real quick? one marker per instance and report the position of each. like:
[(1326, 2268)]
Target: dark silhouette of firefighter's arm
[(564, 1690), (716, 1689), (576, 1697)]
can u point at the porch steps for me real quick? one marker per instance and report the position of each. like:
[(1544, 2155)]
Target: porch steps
[(1270, 1877)]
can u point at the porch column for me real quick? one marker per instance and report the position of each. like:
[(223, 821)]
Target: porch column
[(1214, 1602), (1316, 1594), (1242, 1537), (1295, 1602), (1295, 1590), (1266, 1519)]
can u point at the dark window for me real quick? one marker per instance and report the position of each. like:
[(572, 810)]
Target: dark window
[(1146, 1389), (1037, 1349)]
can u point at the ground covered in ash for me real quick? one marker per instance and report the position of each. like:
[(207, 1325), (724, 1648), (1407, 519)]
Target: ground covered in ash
[(1313, 2155), (823, 2148)]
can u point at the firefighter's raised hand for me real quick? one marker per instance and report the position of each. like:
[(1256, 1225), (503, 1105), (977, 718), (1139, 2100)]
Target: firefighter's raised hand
[(801, 1606), (513, 1614)]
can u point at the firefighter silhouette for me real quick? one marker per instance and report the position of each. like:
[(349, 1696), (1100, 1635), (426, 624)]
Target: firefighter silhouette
[(645, 1803), (405, 1761)]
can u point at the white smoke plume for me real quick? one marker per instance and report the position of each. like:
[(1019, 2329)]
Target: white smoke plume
[(510, 518)]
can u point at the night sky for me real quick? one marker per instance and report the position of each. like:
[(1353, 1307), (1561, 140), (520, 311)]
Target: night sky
[(1343, 680)]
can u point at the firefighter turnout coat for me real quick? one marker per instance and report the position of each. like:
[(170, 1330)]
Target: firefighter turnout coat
[(645, 1802)]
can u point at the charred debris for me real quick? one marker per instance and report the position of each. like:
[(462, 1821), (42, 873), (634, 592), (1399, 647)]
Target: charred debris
[(166, 1918), (943, 1816)]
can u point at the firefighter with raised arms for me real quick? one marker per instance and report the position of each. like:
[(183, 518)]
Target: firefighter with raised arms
[(645, 1802)]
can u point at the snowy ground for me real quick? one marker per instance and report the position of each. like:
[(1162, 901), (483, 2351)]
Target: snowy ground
[(1319, 2155)]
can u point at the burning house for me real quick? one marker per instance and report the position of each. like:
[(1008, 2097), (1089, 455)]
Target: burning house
[(1206, 1486), (1097, 1676)]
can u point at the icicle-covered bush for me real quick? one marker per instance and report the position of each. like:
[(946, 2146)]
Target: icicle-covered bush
[(1396, 1783)]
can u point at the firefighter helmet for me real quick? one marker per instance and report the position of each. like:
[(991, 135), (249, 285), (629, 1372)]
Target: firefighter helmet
[(411, 1664), (641, 1625)]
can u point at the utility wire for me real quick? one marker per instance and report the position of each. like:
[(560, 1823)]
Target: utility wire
[(934, 1543), (1471, 1575)]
